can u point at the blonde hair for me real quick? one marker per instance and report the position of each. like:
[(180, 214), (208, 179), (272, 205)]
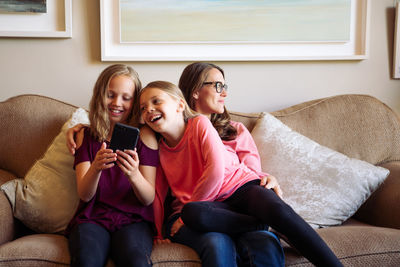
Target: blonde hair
[(174, 91), (98, 114)]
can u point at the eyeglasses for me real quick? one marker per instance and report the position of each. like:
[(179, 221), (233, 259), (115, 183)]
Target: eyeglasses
[(218, 86)]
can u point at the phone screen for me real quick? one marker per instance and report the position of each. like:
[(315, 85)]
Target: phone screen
[(124, 137)]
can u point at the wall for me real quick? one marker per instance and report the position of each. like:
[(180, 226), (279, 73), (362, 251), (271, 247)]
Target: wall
[(66, 69)]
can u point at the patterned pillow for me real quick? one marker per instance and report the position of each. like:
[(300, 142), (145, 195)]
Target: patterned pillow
[(323, 186)]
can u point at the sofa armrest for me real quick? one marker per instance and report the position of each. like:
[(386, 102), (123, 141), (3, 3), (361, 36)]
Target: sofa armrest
[(7, 220), (382, 208)]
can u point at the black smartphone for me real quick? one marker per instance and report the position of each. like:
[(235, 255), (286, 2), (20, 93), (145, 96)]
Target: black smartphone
[(124, 137)]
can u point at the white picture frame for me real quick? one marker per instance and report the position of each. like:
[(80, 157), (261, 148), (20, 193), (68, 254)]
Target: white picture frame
[(56, 23), (112, 49), (396, 46)]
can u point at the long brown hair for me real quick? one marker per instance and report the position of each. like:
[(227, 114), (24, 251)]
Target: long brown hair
[(191, 80), (98, 114)]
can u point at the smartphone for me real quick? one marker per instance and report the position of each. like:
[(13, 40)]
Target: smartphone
[(124, 137)]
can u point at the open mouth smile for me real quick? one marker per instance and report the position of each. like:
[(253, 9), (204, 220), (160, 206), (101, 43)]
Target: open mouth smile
[(155, 118), (116, 112)]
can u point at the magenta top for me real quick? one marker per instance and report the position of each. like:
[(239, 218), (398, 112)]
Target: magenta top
[(115, 203)]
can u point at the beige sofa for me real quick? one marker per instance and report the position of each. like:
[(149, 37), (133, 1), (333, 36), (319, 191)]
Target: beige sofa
[(28, 123)]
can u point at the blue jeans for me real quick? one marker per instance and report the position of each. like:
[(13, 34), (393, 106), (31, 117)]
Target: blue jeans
[(259, 248), (215, 249), (91, 245)]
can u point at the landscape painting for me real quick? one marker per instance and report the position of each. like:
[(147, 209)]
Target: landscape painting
[(32, 6), (224, 21)]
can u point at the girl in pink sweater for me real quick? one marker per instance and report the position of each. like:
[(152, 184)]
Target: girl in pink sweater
[(199, 168)]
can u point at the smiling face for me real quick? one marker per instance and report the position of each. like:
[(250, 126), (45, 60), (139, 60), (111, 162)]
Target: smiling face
[(161, 111), (119, 98), (206, 99)]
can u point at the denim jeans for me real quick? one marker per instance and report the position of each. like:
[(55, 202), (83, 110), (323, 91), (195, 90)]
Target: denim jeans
[(91, 245), (215, 249), (259, 248)]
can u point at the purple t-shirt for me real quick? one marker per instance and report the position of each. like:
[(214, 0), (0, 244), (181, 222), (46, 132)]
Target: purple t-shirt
[(115, 203)]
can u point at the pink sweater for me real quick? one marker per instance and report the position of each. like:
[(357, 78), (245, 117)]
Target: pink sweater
[(245, 149), (203, 168)]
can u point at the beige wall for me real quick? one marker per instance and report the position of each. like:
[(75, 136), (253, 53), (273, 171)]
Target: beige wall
[(67, 68)]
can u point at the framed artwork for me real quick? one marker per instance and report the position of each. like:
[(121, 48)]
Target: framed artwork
[(39, 18), (231, 30), (396, 47)]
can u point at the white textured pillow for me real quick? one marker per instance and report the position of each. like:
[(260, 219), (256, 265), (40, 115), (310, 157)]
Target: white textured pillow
[(46, 199), (323, 186)]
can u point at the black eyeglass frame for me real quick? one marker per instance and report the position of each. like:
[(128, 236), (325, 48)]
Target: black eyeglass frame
[(219, 86)]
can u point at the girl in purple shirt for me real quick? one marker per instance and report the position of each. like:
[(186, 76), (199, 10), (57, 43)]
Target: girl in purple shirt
[(115, 215)]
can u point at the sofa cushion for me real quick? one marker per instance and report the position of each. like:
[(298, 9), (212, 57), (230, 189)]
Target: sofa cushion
[(359, 126), (174, 254), (323, 186), (46, 199), (36, 250), (382, 208), (355, 245), (52, 250)]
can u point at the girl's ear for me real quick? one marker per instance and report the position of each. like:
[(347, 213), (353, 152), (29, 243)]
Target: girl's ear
[(196, 95), (181, 105)]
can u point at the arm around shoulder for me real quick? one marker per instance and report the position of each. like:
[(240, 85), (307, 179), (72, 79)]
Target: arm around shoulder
[(79, 137), (71, 137)]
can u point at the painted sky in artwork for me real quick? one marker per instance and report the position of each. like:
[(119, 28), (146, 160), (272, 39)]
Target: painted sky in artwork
[(34, 6), (234, 20)]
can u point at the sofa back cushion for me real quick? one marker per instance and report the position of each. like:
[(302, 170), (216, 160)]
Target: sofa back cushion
[(28, 124), (358, 126)]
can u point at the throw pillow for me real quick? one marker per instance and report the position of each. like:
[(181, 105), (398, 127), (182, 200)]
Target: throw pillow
[(46, 199), (323, 186)]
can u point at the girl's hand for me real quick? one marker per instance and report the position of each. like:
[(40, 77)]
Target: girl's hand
[(142, 185), (162, 241), (176, 226), (104, 159), (128, 161), (71, 142), (270, 182)]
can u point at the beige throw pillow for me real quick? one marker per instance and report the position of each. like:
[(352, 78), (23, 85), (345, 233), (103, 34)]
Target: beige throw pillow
[(46, 199), (323, 186)]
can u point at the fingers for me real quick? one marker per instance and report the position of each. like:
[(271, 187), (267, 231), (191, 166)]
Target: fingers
[(162, 241), (128, 159), (70, 136), (128, 155), (71, 148), (263, 181), (105, 158), (270, 182), (70, 141), (176, 226)]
